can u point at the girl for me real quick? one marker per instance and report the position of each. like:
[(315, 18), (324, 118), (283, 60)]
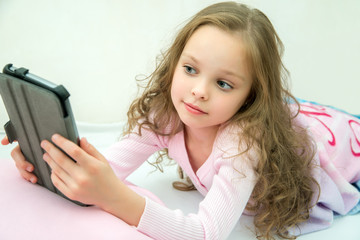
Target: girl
[(218, 104)]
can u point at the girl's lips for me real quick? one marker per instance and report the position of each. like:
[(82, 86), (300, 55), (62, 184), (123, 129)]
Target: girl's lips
[(194, 109)]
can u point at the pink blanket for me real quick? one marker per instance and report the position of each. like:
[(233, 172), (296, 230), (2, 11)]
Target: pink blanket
[(30, 211)]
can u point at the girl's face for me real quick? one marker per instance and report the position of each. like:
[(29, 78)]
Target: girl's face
[(211, 80)]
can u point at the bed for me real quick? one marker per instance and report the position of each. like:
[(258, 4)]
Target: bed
[(32, 212)]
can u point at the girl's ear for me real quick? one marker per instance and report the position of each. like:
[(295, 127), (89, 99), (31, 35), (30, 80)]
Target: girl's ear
[(245, 106), (248, 102)]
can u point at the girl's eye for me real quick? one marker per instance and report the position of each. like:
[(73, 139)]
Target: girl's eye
[(224, 85), (190, 70)]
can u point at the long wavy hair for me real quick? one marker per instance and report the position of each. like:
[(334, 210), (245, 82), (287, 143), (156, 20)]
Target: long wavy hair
[(282, 196)]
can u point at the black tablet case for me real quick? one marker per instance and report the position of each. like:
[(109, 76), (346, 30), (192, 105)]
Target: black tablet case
[(37, 109)]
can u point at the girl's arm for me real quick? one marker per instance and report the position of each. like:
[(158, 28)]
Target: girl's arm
[(90, 179), (133, 150), (229, 179), (218, 212)]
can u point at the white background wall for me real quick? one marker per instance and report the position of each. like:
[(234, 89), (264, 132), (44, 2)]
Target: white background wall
[(96, 48)]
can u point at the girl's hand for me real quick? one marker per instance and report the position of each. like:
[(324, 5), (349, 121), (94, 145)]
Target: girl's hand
[(89, 180), (25, 168)]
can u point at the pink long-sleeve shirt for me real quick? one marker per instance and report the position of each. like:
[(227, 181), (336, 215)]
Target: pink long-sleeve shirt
[(227, 179)]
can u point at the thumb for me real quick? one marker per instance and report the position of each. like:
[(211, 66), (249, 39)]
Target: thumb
[(91, 150), (5, 141)]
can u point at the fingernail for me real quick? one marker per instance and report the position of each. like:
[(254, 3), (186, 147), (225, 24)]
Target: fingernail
[(54, 137), (32, 179), (85, 141), (29, 169), (43, 144), (44, 157)]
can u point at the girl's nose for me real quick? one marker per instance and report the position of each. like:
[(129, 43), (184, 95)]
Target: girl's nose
[(200, 91)]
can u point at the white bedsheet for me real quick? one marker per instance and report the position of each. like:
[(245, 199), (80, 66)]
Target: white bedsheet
[(101, 136)]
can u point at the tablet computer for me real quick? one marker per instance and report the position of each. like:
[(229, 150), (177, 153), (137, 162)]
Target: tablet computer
[(37, 109)]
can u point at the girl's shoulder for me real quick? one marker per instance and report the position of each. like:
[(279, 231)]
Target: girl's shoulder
[(229, 134), (231, 144), (230, 139)]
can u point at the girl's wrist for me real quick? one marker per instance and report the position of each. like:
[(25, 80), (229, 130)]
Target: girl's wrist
[(125, 204)]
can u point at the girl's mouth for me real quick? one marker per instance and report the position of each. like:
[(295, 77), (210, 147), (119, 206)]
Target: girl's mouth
[(194, 109)]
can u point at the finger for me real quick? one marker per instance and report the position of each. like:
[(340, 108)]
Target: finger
[(59, 184), (73, 150), (28, 176), (56, 158), (5, 141), (91, 150), (57, 169), (20, 160)]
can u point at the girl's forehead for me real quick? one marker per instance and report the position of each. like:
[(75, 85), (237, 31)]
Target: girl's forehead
[(214, 47), (210, 35)]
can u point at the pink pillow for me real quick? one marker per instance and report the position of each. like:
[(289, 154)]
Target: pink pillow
[(31, 211)]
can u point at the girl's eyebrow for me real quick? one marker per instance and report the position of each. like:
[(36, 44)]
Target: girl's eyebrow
[(230, 73), (191, 57)]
